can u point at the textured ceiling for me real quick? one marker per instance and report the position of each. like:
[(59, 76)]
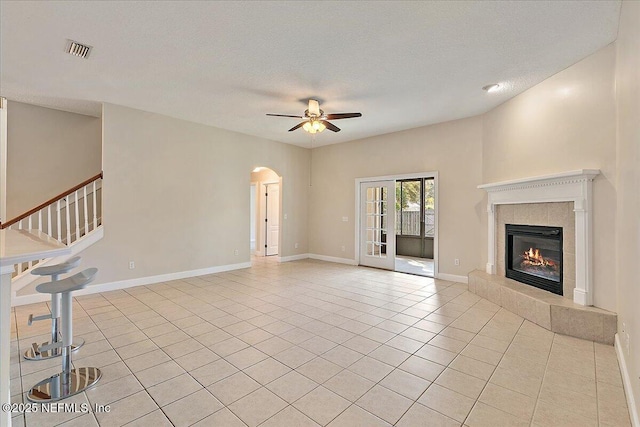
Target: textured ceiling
[(226, 64)]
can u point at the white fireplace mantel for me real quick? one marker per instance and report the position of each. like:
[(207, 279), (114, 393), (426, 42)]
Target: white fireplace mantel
[(574, 186)]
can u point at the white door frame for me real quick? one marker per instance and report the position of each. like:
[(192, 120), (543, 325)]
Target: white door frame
[(3, 160), (262, 212), (265, 186), (358, 181), (253, 191)]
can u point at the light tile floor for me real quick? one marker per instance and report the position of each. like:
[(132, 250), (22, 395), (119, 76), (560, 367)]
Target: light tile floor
[(311, 343), (414, 265)]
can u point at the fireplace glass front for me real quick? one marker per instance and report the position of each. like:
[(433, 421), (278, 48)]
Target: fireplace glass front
[(534, 256)]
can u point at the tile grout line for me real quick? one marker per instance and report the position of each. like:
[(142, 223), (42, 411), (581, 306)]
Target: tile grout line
[(346, 368), (546, 365), (595, 376), (447, 366), (494, 370)]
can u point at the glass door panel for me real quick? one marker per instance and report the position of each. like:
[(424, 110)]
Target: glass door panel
[(377, 247)]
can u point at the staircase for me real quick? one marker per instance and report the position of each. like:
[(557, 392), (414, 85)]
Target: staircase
[(73, 218)]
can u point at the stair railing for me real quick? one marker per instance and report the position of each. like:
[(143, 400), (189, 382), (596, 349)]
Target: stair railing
[(66, 217)]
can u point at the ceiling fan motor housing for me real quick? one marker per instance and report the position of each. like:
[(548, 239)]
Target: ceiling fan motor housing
[(312, 116)]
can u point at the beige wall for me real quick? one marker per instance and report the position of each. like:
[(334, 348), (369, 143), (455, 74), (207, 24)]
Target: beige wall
[(50, 151), (176, 195), (567, 122), (628, 186), (453, 149)]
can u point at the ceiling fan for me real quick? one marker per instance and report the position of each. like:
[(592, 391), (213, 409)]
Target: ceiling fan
[(315, 120)]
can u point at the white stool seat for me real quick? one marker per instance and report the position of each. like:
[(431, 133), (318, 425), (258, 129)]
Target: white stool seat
[(72, 283), (61, 268)]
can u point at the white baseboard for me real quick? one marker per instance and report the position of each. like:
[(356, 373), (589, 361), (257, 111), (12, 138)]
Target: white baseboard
[(140, 281), (626, 381), (293, 257), (333, 259), (453, 278), (29, 299)]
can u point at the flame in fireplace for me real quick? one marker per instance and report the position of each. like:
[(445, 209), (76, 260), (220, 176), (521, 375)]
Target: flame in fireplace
[(534, 257)]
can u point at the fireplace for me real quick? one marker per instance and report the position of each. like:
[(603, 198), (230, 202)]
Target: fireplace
[(533, 255)]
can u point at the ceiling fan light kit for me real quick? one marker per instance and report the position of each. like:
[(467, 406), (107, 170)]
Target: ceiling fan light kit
[(314, 126), (316, 120)]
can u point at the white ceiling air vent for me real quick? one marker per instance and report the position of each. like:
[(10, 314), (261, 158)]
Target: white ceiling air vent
[(78, 49)]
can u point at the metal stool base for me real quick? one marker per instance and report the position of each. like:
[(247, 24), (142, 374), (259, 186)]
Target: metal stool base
[(52, 389), (34, 354)]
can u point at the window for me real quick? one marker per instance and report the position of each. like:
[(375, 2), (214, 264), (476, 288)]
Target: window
[(415, 207), (429, 208), (408, 207)]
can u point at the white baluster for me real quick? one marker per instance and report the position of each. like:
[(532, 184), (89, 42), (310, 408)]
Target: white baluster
[(30, 225), (49, 220), (68, 218), (86, 214), (20, 225), (77, 218), (40, 220), (95, 209), (59, 222)]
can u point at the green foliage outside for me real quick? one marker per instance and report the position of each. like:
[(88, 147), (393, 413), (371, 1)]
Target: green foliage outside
[(409, 192)]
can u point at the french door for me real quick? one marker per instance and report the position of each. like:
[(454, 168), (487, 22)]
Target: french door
[(377, 224)]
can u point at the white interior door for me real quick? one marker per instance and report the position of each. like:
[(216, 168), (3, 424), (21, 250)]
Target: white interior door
[(272, 219), (377, 224)]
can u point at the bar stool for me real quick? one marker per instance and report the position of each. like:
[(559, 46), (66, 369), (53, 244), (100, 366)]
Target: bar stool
[(44, 350), (69, 381)]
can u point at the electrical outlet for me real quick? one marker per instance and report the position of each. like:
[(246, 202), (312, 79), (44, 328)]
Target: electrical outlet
[(285, 216), (456, 261), (295, 246), (235, 252), (345, 219), (132, 265), (343, 249)]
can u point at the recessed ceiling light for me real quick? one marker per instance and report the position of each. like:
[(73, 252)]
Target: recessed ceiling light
[(78, 49), (491, 88)]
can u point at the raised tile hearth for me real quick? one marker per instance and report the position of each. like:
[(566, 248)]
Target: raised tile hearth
[(552, 312)]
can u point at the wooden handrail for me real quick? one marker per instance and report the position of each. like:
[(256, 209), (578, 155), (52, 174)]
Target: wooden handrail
[(50, 201)]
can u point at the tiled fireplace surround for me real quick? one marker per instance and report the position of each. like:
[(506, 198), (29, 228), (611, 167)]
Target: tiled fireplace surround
[(559, 214), (562, 200)]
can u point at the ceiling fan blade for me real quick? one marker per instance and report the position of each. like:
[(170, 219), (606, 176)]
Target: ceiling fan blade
[(284, 115), (299, 125), (337, 116), (330, 126)]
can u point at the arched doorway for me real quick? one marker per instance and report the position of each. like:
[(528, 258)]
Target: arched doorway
[(265, 228)]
